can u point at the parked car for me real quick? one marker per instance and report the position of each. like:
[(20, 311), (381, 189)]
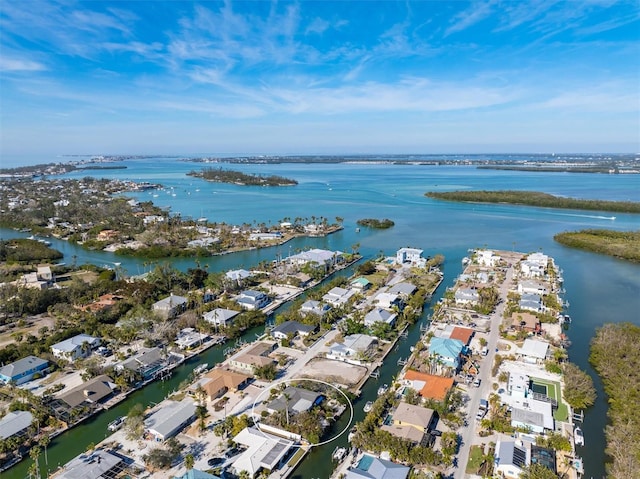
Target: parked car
[(476, 382), (216, 461)]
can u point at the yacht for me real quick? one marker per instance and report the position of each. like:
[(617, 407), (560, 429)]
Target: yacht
[(368, 406), (382, 389), (116, 424)]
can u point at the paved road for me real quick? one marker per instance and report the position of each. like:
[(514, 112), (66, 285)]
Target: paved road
[(467, 432)]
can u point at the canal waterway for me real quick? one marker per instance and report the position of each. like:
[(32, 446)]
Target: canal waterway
[(600, 289)]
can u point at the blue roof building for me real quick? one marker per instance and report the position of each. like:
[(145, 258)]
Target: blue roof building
[(371, 467), (449, 350), (23, 370)]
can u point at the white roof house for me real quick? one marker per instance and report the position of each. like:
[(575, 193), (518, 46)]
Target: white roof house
[(353, 345), (518, 384), (170, 419), (220, 316), (97, 464), (338, 296), (80, 346), (402, 289), (319, 256), (410, 255), (466, 296), (189, 337), (535, 415), (387, 300), (314, 307), (486, 257), (529, 286), (252, 300), (15, 423), (238, 274), (534, 350), (264, 451), (379, 315)]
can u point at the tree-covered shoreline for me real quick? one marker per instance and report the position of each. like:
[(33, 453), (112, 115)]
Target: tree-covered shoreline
[(376, 223), (535, 198), (236, 177), (619, 244)]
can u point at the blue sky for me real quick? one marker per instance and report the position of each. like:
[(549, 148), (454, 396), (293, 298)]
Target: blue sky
[(318, 77)]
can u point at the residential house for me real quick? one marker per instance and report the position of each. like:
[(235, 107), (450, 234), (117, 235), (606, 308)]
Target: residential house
[(252, 300), (428, 385), (412, 256), (23, 370), (518, 384), (379, 315), (98, 463), (314, 307), (534, 415), (172, 417), (354, 347), (388, 300), (338, 296), (462, 334), (196, 474), (146, 362), (254, 355), (412, 422), (219, 381), (319, 257), (237, 275), (510, 458), (403, 290), (361, 284), (535, 265), (447, 350), (80, 346), (44, 274), (15, 423), (524, 321), (371, 467), (532, 287), (531, 302), (466, 296), (71, 405), (170, 306), (292, 329), (189, 338), (265, 236), (486, 257), (263, 451), (220, 317), (296, 400), (534, 351)]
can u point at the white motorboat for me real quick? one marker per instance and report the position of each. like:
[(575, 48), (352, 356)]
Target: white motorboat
[(578, 437)]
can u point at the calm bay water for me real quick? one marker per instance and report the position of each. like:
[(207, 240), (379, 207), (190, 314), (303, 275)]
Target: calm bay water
[(599, 289)]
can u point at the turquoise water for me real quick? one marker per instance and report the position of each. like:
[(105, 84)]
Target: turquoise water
[(600, 289)]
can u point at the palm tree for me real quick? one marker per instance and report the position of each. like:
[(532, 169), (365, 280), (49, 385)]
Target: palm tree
[(44, 442), (189, 461), (34, 453)]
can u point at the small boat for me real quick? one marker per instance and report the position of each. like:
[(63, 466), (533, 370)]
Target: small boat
[(465, 261), (116, 424), (567, 318), (357, 230), (578, 437), (339, 453), (383, 389), (368, 406), (352, 434), (200, 368)]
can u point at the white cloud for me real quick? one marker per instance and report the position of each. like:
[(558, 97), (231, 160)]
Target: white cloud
[(476, 13), (16, 65)]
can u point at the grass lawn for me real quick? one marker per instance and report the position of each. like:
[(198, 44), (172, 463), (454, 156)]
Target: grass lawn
[(475, 459), (297, 457), (554, 391)]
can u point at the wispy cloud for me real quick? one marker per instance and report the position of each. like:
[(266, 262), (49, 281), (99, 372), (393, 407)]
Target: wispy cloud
[(476, 13), (18, 65)]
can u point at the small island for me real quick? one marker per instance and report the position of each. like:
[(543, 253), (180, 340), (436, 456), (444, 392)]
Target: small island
[(236, 177), (376, 223), (620, 244), (536, 198)]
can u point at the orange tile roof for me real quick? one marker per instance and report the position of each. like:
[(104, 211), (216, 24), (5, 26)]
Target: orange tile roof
[(463, 334), (435, 387)]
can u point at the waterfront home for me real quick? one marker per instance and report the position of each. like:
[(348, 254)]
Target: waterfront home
[(371, 467), (535, 265), (80, 346), (518, 384), (314, 307), (412, 256), (529, 413), (237, 275), (461, 334), (146, 362), (196, 474), (95, 464), (23, 370), (403, 290), (83, 399), (379, 315), (361, 284), (220, 317), (317, 257), (252, 300), (265, 236), (486, 257), (217, 382), (412, 423), (292, 329), (534, 351), (428, 386), (203, 242), (15, 423), (529, 286), (170, 306), (388, 300), (44, 274), (30, 280), (338, 296), (152, 219), (354, 346), (524, 321), (531, 302), (510, 458), (254, 355), (103, 302), (296, 400), (448, 351), (263, 450), (188, 338), (466, 296), (170, 419)]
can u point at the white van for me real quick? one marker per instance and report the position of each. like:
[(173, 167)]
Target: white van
[(484, 351)]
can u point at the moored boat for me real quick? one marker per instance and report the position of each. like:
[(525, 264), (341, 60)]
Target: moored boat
[(382, 389), (339, 453), (368, 406), (116, 424), (578, 437)]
